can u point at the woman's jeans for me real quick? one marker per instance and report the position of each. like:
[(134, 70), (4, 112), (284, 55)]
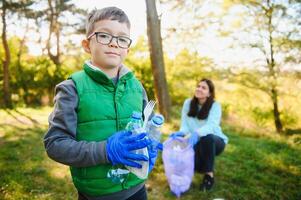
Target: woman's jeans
[(206, 149)]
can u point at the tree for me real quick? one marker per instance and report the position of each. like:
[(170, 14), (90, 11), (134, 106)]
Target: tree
[(57, 17), (264, 23), (6, 61), (157, 61), (138, 59), (270, 26), (7, 8)]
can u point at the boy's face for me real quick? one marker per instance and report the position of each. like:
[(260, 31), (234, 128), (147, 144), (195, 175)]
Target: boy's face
[(110, 55)]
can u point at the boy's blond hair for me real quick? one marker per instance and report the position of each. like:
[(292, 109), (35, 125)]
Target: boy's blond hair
[(111, 13)]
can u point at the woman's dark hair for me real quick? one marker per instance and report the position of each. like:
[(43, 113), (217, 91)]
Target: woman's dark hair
[(204, 111)]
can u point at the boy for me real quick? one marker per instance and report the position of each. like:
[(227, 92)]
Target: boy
[(92, 108)]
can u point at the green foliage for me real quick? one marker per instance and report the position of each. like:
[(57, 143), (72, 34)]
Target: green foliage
[(262, 116), (34, 77), (187, 68), (288, 118), (253, 107), (31, 77), (138, 60), (19, 7), (225, 110)]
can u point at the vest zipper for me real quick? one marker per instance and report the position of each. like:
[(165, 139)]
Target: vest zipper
[(116, 108), (123, 184)]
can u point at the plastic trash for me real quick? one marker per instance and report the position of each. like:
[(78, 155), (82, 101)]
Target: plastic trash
[(118, 175), (153, 129), (135, 125)]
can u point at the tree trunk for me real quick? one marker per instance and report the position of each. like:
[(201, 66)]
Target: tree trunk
[(54, 32), (20, 76), (157, 61), (6, 62), (53, 29), (273, 73), (277, 120)]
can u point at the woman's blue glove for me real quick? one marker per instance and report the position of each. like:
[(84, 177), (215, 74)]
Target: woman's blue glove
[(192, 138), (120, 146)]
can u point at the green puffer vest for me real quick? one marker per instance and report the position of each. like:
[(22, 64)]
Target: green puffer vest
[(103, 109)]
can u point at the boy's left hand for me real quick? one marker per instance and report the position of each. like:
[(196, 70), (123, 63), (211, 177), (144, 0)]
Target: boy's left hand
[(152, 154)]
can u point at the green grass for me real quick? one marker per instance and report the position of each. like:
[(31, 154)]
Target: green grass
[(253, 166), (25, 170)]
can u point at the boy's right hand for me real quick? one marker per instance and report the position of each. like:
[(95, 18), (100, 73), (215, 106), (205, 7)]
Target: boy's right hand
[(120, 146)]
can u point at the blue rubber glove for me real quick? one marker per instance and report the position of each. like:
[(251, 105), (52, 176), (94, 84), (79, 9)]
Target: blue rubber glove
[(177, 134), (120, 146), (153, 154), (192, 138)]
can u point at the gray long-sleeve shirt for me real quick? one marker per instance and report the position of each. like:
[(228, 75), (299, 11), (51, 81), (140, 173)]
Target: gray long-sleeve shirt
[(60, 139), (60, 142)]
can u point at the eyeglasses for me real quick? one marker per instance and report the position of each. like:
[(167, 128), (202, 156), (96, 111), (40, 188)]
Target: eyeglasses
[(106, 38)]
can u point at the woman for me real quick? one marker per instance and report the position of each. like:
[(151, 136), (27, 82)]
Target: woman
[(201, 116)]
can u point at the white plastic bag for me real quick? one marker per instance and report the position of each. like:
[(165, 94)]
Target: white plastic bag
[(178, 159)]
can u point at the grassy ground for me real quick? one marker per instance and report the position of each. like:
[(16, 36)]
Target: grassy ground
[(253, 166)]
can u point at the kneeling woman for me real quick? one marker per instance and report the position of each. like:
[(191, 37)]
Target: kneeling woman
[(201, 116)]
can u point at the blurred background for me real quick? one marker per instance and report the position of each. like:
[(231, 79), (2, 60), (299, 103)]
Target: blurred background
[(250, 49)]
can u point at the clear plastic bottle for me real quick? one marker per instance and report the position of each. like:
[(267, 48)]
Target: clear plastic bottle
[(135, 125), (153, 129)]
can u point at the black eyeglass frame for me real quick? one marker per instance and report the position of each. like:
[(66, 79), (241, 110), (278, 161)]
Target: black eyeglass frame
[(112, 37)]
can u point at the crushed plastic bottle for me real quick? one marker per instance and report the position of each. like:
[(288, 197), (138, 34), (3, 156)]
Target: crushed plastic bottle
[(135, 125), (153, 129)]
